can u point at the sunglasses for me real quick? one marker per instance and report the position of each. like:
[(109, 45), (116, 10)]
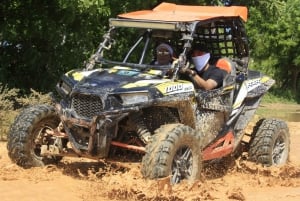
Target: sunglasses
[(163, 53)]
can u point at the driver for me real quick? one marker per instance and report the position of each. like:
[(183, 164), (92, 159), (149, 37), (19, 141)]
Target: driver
[(164, 54), (205, 75)]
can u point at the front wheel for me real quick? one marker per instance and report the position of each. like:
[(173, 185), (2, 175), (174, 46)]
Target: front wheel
[(175, 150), (29, 132), (270, 143)]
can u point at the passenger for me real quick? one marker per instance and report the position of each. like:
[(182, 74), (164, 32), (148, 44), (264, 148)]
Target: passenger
[(164, 54), (205, 75)]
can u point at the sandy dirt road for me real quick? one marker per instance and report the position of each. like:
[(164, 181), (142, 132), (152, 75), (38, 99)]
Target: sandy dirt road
[(76, 179)]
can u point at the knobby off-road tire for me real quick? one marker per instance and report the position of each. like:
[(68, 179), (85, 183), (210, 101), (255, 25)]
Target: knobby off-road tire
[(175, 150), (270, 143), (26, 136)]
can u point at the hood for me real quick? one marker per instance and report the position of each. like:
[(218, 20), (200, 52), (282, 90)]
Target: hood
[(110, 80)]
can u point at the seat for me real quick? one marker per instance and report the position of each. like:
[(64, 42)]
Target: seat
[(229, 80), (226, 64)]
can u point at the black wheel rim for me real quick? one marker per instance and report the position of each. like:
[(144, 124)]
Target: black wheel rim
[(182, 165)]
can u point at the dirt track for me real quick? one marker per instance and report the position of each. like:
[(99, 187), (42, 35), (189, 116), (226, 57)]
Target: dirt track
[(81, 179)]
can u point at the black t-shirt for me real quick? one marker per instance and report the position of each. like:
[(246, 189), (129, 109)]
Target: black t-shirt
[(215, 74)]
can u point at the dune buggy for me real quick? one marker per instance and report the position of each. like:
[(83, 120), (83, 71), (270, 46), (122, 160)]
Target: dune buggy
[(119, 101)]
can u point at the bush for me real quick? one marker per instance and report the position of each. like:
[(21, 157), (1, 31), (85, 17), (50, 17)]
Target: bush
[(11, 101)]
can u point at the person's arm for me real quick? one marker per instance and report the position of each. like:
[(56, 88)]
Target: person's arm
[(204, 84)]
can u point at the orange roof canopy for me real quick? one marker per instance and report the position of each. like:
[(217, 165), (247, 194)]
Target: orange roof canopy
[(185, 13)]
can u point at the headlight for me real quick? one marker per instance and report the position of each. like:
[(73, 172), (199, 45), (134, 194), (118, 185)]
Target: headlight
[(66, 88), (63, 89), (134, 98)]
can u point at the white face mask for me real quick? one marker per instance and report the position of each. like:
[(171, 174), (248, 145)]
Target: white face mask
[(201, 61)]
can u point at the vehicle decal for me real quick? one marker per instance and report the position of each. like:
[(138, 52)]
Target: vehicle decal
[(121, 68), (247, 86), (265, 79), (125, 71), (79, 75), (154, 72), (251, 84), (228, 88), (175, 87), (143, 83)]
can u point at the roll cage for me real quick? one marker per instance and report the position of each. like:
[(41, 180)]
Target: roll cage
[(223, 35)]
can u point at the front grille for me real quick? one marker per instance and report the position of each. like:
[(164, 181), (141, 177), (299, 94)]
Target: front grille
[(87, 105)]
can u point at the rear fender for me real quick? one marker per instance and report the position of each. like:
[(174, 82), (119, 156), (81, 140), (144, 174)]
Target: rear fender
[(251, 88)]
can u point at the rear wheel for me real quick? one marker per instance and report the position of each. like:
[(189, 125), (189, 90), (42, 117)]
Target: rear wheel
[(270, 143), (29, 132), (175, 150)]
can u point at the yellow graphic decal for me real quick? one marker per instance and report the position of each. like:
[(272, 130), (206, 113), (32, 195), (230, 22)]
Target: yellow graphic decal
[(265, 79), (230, 87), (154, 72), (113, 70), (121, 68), (117, 68), (133, 85), (143, 83), (79, 75), (175, 87)]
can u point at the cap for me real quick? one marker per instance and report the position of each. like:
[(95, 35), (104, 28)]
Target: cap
[(166, 46), (200, 61)]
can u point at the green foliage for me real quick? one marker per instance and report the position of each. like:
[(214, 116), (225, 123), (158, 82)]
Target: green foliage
[(41, 39), (7, 113), (34, 98), (273, 29), (46, 38), (279, 96), (7, 97)]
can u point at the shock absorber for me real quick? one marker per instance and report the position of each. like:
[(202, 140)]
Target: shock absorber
[(140, 127)]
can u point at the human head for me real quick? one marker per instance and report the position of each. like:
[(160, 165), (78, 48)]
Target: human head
[(200, 59), (164, 53)]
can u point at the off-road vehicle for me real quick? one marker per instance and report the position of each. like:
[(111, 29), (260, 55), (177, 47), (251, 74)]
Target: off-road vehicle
[(120, 101)]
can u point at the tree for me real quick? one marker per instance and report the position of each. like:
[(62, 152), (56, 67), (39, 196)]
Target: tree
[(45, 38), (288, 45), (41, 39), (274, 35)]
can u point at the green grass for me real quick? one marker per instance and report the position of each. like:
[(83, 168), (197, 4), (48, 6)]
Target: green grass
[(280, 96), (288, 111)]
